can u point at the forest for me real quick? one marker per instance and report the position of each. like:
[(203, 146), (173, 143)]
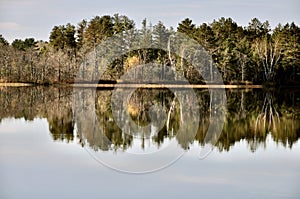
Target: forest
[(255, 54)]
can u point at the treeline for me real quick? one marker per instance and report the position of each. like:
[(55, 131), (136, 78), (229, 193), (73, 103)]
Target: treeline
[(254, 54)]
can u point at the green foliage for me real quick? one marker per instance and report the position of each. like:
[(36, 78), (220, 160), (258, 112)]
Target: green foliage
[(63, 37), (99, 28), (70, 39), (3, 41), (81, 28), (290, 55), (23, 45), (57, 37), (244, 120), (257, 29), (187, 27), (253, 54), (122, 23)]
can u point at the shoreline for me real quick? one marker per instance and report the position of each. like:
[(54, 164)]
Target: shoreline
[(150, 85), (15, 84), (122, 85), (138, 85)]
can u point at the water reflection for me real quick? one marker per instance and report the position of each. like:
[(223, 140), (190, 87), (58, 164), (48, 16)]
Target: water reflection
[(251, 115)]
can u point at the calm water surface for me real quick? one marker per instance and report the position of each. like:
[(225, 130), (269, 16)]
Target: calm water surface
[(47, 149)]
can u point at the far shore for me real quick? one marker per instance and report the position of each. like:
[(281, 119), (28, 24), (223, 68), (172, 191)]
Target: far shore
[(138, 85), (150, 85), (120, 85)]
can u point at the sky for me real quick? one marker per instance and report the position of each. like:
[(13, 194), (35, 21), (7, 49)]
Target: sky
[(20, 19)]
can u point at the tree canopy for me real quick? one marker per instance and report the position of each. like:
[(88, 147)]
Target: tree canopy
[(254, 54)]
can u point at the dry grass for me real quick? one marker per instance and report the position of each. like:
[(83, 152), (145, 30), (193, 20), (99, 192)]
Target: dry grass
[(14, 84), (164, 86)]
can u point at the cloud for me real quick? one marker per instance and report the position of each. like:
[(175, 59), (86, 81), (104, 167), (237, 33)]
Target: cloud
[(9, 26), (203, 179)]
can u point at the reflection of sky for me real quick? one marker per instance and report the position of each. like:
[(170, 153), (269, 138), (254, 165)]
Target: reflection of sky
[(33, 166)]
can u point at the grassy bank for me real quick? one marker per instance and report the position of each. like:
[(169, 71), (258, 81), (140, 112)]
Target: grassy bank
[(14, 84), (122, 85)]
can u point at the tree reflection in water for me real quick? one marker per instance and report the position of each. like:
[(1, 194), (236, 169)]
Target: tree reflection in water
[(268, 119), (251, 115)]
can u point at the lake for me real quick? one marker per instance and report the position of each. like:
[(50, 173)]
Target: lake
[(65, 142)]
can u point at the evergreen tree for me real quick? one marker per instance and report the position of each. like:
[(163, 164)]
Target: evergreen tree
[(99, 28), (187, 27), (69, 36), (3, 41), (81, 28), (57, 37)]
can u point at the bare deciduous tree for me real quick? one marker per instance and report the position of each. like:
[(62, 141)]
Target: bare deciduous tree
[(268, 52)]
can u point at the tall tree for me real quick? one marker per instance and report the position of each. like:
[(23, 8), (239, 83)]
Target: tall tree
[(257, 29), (146, 40), (99, 28), (62, 37), (227, 34), (160, 39), (268, 51), (23, 45), (205, 36), (121, 23), (69, 36), (81, 28), (187, 27), (289, 36), (3, 41), (57, 37)]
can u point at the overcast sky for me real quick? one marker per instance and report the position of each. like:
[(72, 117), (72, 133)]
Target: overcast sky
[(35, 18)]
